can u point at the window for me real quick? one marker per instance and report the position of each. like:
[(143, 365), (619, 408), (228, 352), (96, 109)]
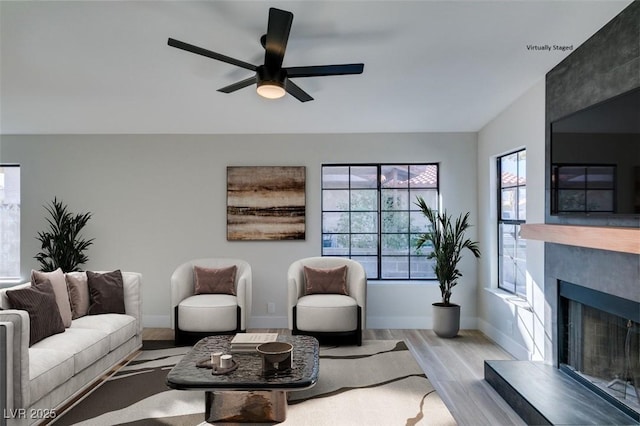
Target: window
[(9, 222), (512, 209), (369, 215), (583, 188)]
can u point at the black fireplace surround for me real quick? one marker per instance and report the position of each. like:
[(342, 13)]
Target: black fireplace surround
[(599, 344)]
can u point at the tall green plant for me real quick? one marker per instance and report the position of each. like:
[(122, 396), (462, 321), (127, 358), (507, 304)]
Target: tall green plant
[(62, 245), (448, 240)]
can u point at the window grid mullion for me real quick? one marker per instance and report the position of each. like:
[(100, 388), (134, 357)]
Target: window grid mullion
[(379, 213), (350, 219)]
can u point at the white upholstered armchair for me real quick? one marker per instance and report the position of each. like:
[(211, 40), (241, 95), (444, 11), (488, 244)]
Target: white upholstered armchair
[(326, 312), (220, 303)]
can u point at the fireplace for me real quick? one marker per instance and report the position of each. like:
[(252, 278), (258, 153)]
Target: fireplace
[(599, 343)]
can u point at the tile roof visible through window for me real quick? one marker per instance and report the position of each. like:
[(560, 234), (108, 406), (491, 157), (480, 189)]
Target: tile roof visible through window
[(427, 178), (399, 178), (509, 179)]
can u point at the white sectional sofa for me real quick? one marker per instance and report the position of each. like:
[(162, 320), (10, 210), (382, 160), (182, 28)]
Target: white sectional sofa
[(42, 378)]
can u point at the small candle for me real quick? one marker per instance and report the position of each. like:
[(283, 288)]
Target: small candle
[(215, 359), (226, 361)]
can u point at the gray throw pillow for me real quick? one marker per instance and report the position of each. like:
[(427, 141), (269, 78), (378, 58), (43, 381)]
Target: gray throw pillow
[(106, 293), (40, 302)]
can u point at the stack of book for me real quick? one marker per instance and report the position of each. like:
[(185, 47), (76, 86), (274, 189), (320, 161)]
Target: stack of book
[(248, 342)]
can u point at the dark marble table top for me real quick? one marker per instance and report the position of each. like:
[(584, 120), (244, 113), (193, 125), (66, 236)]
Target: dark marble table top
[(248, 376)]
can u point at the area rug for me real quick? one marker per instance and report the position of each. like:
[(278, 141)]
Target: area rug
[(378, 383)]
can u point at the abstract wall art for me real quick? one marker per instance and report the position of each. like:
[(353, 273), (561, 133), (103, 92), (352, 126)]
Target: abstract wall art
[(265, 203)]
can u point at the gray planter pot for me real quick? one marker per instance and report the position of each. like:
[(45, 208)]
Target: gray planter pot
[(446, 319)]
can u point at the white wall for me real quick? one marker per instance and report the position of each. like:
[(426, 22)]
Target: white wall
[(159, 200), (515, 325)]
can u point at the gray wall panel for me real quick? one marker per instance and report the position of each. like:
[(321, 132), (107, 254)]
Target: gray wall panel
[(606, 65)]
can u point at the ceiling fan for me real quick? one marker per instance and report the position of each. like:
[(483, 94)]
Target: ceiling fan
[(272, 80)]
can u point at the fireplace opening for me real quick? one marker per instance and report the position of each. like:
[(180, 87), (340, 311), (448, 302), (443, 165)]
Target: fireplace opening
[(599, 344)]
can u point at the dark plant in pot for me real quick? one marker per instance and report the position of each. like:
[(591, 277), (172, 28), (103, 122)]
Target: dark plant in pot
[(62, 245), (448, 240)]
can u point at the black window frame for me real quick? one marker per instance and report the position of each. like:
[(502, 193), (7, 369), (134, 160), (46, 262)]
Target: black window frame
[(379, 233), (16, 277), (516, 222)]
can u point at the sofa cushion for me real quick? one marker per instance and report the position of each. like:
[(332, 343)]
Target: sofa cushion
[(215, 280), (59, 285), (40, 303), (327, 312), (48, 369), (325, 280), (85, 345), (120, 328), (78, 293), (106, 293), (208, 312)]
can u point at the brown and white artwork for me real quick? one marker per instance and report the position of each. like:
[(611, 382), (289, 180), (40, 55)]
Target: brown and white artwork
[(265, 203)]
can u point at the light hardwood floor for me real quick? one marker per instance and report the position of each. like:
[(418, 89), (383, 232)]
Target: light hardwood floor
[(455, 367)]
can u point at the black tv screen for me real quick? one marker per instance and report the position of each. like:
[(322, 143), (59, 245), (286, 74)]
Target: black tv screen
[(595, 159)]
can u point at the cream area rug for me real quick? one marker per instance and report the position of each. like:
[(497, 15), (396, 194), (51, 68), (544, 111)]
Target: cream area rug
[(378, 383)]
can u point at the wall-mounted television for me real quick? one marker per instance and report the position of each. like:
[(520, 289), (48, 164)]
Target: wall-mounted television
[(595, 159)]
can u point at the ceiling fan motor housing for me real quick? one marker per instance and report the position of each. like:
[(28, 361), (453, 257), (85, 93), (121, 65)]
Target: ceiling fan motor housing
[(276, 77)]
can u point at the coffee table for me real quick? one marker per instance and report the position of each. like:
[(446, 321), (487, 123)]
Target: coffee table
[(246, 395)]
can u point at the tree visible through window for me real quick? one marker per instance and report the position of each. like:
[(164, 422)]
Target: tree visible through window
[(512, 209), (9, 222), (369, 215)]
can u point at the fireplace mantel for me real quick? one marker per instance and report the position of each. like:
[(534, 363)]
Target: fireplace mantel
[(626, 240)]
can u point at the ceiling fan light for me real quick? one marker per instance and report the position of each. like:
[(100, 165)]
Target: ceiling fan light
[(270, 90)]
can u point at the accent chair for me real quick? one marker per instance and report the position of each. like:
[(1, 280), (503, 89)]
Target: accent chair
[(210, 296), (327, 298)]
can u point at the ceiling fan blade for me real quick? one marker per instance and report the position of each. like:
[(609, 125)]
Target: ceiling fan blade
[(209, 54), (295, 91), (322, 70), (278, 30), (239, 85)]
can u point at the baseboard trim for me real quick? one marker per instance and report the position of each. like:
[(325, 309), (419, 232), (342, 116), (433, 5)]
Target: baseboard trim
[(518, 351)]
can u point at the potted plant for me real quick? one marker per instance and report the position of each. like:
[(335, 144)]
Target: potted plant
[(62, 245), (447, 237)]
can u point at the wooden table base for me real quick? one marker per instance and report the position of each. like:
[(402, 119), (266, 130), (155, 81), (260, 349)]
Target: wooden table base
[(245, 406)]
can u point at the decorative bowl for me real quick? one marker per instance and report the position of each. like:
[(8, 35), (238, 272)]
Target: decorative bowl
[(275, 351), (276, 357)]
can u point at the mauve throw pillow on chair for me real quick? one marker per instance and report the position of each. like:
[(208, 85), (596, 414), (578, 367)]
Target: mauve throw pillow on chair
[(59, 285), (106, 292), (40, 302), (215, 280), (326, 280)]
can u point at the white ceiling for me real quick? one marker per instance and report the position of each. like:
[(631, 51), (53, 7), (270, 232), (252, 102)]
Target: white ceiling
[(104, 66)]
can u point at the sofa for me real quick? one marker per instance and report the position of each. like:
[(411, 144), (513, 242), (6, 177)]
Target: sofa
[(41, 378)]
